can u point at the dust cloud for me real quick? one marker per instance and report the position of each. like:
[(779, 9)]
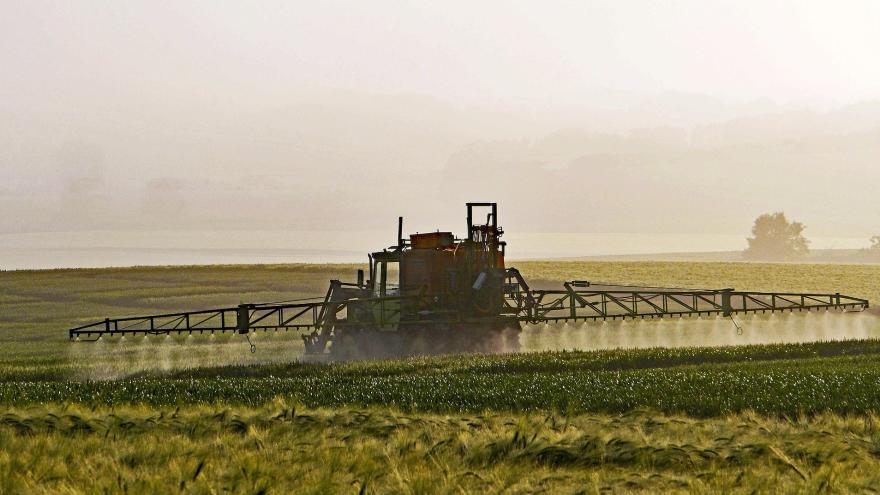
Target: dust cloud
[(111, 359), (701, 332)]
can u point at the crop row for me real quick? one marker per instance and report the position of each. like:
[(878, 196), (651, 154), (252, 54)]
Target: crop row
[(842, 385)]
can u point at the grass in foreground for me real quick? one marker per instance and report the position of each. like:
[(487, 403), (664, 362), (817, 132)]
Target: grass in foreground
[(526, 430), (280, 447)]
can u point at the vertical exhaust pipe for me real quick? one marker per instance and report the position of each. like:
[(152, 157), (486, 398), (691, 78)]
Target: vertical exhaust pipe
[(242, 319), (726, 306)]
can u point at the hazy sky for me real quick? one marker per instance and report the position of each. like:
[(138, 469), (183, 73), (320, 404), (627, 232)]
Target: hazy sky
[(239, 110), (509, 51)]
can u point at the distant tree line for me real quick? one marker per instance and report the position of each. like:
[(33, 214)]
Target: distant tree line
[(775, 238), (873, 252)]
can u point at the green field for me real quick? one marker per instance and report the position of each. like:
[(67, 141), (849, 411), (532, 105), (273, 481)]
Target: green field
[(281, 448), (204, 415)]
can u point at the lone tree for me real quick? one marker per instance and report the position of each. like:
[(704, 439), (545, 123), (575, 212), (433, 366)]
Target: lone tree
[(776, 239), (875, 243)]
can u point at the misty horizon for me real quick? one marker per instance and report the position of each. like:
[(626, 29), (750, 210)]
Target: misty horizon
[(612, 117)]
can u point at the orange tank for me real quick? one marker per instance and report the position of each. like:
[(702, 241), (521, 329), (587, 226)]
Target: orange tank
[(432, 240)]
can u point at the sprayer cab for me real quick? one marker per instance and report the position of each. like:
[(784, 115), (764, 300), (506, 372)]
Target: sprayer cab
[(437, 273)]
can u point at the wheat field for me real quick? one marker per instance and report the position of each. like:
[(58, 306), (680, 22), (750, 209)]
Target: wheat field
[(209, 417)]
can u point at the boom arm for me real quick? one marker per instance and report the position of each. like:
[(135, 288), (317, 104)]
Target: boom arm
[(578, 302), (621, 303)]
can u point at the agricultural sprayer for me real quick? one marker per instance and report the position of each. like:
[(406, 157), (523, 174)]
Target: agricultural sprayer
[(436, 293)]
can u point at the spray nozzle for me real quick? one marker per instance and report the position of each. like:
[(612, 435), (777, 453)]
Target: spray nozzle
[(739, 329)]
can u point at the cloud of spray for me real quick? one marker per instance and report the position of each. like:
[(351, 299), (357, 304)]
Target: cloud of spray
[(119, 358), (110, 359), (701, 332)]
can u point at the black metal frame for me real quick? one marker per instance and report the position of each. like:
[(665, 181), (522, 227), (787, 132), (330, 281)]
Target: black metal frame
[(583, 305), (523, 304), (244, 318)]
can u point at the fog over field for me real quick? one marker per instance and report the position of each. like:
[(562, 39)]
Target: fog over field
[(599, 117)]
